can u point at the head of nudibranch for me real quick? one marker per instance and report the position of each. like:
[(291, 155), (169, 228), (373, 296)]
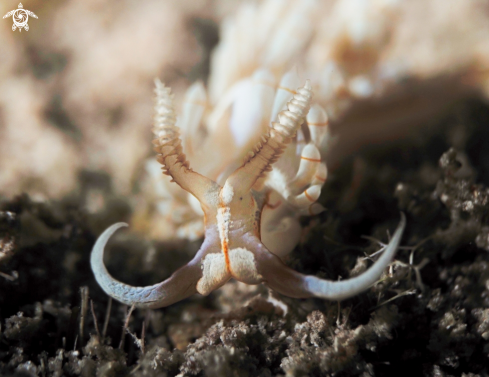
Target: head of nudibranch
[(233, 246), (217, 137)]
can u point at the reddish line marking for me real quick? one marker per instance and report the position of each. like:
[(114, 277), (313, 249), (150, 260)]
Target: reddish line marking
[(308, 197), (319, 178), (223, 234), (310, 159), (287, 89), (267, 202), (225, 246), (322, 124), (225, 250)]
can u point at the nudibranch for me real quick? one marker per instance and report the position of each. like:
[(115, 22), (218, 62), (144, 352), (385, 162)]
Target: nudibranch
[(232, 247)]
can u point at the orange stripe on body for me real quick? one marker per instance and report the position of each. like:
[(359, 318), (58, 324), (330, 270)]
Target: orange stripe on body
[(322, 124), (223, 235), (287, 89), (267, 202), (320, 178), (308, 197), (225, 250), (310, 159)]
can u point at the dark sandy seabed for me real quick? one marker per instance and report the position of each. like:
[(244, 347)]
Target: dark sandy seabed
[(428, 317)]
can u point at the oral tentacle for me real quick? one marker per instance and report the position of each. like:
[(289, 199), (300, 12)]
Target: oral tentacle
[(290, 283), (177, 287), (340, 290)]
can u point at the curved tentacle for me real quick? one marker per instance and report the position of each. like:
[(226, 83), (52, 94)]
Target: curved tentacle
[(168, 145), (272, 145), (180, 285), (290, 283)]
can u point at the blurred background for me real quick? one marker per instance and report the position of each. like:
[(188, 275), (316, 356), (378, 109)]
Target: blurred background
[(76, 89)]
